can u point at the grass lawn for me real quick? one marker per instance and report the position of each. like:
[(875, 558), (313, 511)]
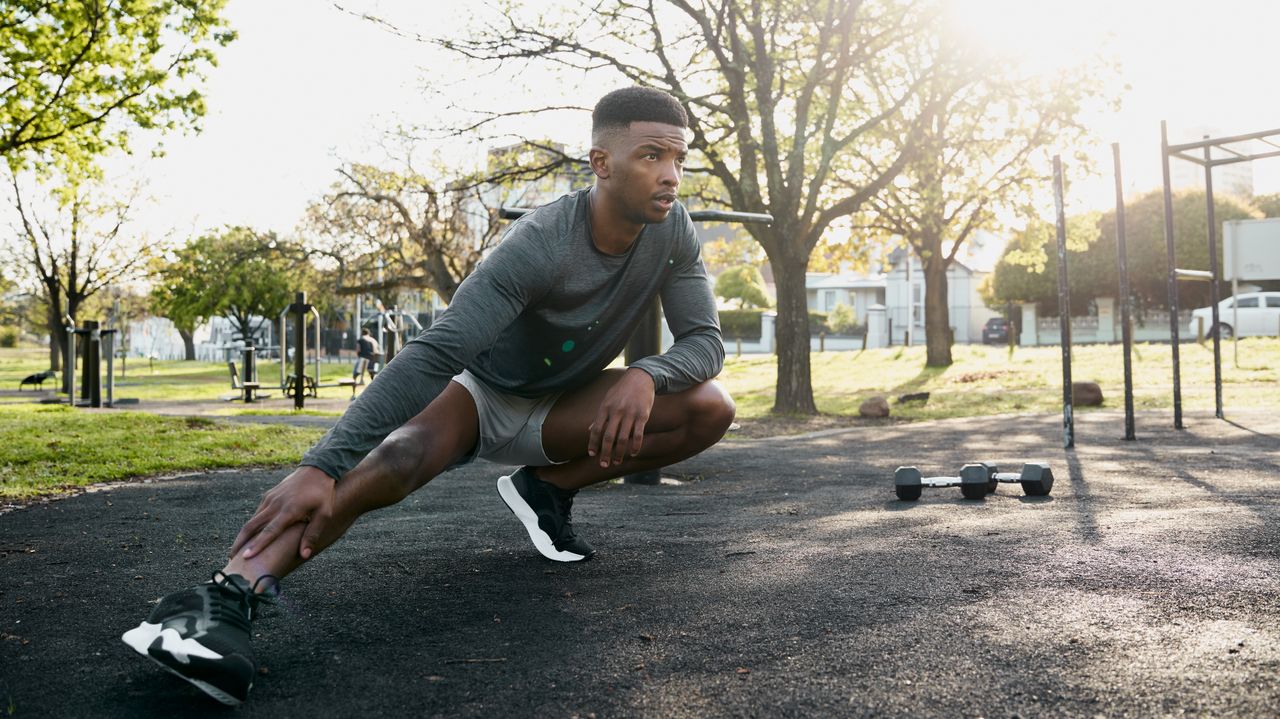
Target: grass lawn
[(47, 449), (992, 380)]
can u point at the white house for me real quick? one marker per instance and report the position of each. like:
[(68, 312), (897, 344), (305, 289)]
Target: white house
[(968, 313), (825, 290)]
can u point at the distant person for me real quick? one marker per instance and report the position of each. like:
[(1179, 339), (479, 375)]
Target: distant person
[(514, 372), (368, 353)]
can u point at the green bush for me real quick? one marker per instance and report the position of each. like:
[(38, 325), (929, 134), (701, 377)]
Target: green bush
[(842, 320), (818, 323), (8, 336), (741, 324)]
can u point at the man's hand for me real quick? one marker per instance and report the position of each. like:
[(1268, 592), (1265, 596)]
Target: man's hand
[(306, 495), (620, 421)]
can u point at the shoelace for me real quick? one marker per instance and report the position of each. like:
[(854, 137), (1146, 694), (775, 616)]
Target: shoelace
[(241, 609), (564, 507)]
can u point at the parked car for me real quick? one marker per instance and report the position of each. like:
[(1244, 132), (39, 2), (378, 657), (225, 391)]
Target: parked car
[(1258, 313), (996, 331)]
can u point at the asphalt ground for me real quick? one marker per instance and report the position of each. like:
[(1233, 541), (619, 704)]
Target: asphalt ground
[(778, 578)]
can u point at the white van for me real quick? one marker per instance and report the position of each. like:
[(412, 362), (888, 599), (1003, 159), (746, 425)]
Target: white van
[(1258, 313)]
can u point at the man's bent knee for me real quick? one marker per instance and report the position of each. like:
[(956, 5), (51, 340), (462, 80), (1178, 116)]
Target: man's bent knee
[(711, 411)]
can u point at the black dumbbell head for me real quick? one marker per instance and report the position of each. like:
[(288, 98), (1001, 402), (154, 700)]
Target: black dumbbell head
[(974, 481), (1036, 480), (907, 483)]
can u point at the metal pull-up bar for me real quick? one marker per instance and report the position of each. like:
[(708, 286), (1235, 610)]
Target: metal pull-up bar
[(1200, 275)]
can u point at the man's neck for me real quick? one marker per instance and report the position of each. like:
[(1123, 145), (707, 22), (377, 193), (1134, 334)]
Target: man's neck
[(611, 233)]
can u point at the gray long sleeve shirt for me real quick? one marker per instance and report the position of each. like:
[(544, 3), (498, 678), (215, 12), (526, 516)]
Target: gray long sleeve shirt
[(545, 312)]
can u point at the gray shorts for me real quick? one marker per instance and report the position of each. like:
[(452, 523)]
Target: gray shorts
[(510, 426)]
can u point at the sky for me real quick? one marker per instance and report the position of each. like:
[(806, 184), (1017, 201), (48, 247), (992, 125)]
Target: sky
[(309, 85)]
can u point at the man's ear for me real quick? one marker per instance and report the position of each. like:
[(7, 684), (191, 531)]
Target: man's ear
[(600, 162)]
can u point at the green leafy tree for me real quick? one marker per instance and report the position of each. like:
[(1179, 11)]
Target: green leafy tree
[(787, 104), (245, 275), (1268, 205), (80, 75), (987, 127), (73, 241), (743, 284), (1028, 270)]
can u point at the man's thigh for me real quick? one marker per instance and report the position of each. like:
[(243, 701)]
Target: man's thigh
[(568, 426)]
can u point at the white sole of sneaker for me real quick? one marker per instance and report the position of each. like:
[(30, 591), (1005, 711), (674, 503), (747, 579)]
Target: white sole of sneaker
[(523, 512), (141, 637)]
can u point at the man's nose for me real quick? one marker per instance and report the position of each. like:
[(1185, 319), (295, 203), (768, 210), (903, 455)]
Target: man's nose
[(670, 174)]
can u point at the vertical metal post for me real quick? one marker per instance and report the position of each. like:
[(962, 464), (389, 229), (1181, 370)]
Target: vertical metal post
[(911, 304), (299, 349), (1122, 265), (91, 386), (108, 351), (1173, 277), (69, 366), (646, 342), (1064, 307), (1213, 284)]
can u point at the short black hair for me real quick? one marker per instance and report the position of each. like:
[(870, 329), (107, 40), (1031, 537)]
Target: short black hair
[(618, 109)]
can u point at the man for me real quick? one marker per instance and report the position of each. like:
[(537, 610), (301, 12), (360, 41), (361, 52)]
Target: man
[(513, 372), (367, 353)]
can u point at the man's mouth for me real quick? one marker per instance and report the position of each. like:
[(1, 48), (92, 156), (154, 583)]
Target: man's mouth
[(665, 201)]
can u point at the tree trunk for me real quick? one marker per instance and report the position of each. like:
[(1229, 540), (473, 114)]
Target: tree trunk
[(188, 345), (794, 393), (937, 315)]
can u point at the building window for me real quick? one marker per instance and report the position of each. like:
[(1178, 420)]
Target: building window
[(828, 300)]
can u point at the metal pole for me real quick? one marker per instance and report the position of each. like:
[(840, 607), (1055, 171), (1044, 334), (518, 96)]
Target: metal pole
[(69, 367), (299, 349), (108, 349), (319, 341), (1213, 285), (1122, 266), (645, 342), (911, 304), (1064, 307), (1173, 277)]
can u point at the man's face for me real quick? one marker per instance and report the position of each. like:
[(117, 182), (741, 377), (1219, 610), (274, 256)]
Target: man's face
[(645, 165)]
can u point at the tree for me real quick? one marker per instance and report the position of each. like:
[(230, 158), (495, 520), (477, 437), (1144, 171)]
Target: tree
[(243, 274), (1028, 270), (390, 229), (75, 248), (744, 284), (986, 127), (1269, 205), (787, 104), (79, 75)]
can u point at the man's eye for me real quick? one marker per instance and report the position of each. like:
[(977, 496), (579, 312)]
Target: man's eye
[(651, 156)]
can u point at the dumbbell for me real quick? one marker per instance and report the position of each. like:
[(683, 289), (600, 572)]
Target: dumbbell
[(908, 483), (1036, 479)]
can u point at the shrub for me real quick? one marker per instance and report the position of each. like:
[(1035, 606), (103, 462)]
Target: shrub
[(741, 324), (8, 336), (818, 323), (842, 320)]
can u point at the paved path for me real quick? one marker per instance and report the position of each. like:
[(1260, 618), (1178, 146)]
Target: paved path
[(781, 578)]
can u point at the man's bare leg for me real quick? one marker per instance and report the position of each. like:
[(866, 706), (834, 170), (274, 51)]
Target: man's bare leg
[(408, 458), (680, 426)]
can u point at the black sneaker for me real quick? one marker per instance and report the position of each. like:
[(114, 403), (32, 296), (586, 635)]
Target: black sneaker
[(545, 511), (202, 635)]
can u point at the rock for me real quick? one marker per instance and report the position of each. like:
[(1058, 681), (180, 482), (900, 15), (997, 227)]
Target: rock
[(1086, 394), (914, 397), (875, 407)]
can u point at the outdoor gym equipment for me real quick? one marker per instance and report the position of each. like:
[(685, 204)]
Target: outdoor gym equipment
[(647, 339), (976, 481), (97, 343)]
